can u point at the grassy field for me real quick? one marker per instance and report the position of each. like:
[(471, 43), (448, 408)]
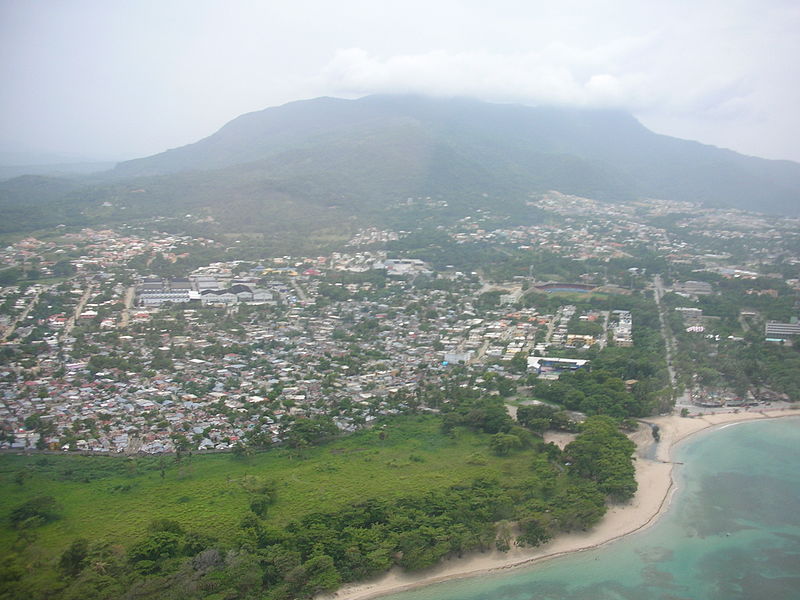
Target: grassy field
[(115, 498)]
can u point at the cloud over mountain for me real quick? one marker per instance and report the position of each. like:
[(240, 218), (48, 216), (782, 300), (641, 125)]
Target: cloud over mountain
[(608, 76)]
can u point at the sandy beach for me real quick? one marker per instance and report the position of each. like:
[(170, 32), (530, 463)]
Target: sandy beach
[(653, 473)]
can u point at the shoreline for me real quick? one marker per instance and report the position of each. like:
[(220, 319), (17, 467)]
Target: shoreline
[(656, 487)]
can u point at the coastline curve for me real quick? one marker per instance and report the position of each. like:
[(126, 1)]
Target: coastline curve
[(657, 488)]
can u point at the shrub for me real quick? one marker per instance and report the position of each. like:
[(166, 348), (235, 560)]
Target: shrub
[(34, 512)]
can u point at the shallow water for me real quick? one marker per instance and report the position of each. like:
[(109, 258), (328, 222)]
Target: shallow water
[(732, 531)]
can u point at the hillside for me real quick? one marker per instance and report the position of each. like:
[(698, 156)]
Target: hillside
[(329, 162)]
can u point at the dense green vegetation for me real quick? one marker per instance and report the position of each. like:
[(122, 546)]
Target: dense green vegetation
[(747, 366), (731, 351), (593, 393), (290, 523)]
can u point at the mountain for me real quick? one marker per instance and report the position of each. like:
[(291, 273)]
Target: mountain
[(55, 169), (18, 163), (604, 153), (327, 161)]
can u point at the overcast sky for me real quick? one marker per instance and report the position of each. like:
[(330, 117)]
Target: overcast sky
[(111, 79)]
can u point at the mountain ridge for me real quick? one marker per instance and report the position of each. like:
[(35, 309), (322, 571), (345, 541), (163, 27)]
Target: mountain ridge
[(364, 156), (655, 165)]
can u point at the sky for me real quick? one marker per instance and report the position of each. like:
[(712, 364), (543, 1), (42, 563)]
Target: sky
[(116, 79)]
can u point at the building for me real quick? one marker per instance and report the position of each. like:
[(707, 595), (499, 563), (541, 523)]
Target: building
[(204, 282), (404, 266), (511, 297), (775, 330), (692, 288), (622, 329), (551, 368), (155, 292), (235, 294), (456, 357), (575, 340), (218, 297)]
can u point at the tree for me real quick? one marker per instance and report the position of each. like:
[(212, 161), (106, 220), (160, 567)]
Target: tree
[(156, 547), (422, 547), (307, 432), (579, 506), (538, 425), (34, 512), (534, 531), (182, 443), (313, 577), (519, 364), (489, 415), (73, 559), (242, 451), (260, 503), (504, 535), (503, 443), (33, 422), (602, 454), (167, 525), (63, 268), (9, 276)]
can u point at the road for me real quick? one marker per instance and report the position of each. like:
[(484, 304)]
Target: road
[(669, 342), (301, 293), (24, 315), (604, 337), (78, 310), (551, 326), (126, 312)]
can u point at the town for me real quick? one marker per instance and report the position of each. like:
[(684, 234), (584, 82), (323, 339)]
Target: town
[(128, 340)]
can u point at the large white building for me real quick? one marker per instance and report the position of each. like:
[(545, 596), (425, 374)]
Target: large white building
[(622, 329), (775, 330), (404, 266)]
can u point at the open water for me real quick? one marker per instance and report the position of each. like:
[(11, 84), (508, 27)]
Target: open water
[(732, 531)]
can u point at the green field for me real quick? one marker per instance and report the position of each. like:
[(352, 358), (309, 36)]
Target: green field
[(115, 498), (291, 523)]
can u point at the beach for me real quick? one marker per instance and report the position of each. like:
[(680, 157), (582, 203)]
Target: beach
[(655, 488)]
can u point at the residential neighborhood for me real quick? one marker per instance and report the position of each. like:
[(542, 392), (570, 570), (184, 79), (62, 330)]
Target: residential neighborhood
[(104, 354)]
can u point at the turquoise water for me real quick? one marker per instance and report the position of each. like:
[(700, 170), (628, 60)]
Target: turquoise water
[(732, 531)]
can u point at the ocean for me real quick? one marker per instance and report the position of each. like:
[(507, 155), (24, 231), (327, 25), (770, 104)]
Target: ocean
[(732, 531)]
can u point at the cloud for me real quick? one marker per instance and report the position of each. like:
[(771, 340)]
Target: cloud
[(481, 74), (632, 73)]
